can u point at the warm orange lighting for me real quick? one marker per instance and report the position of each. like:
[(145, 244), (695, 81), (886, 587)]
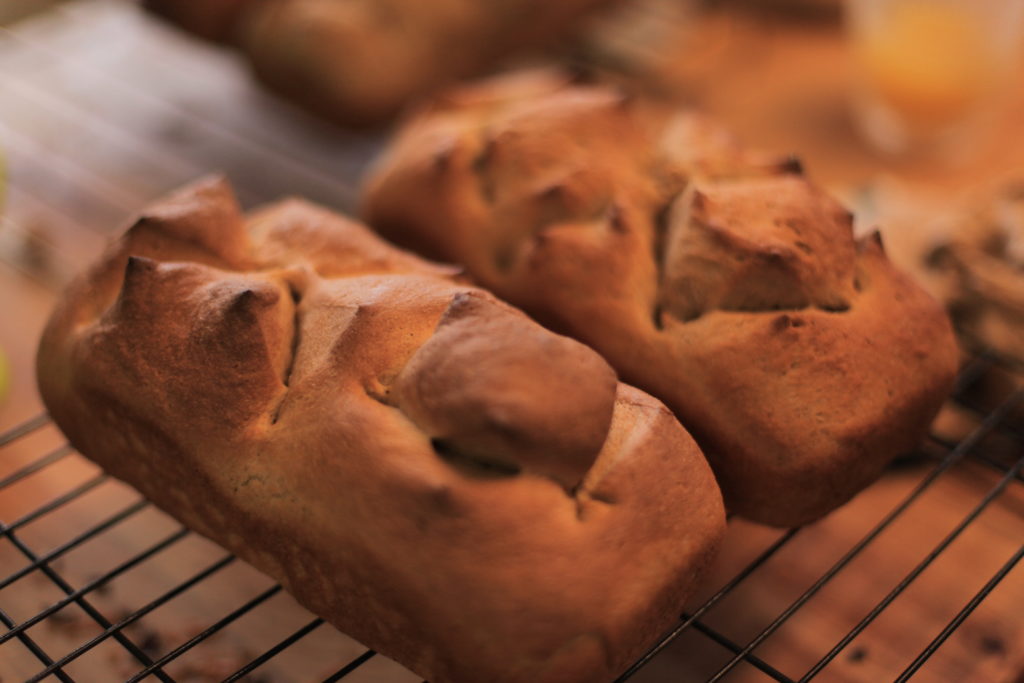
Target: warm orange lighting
[(929, 61)]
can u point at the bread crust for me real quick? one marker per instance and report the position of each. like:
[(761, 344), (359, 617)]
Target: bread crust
[(722, 281), (415, 461), (361, 62)]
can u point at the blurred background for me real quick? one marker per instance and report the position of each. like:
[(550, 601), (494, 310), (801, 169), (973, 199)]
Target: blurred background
[(911, 111)]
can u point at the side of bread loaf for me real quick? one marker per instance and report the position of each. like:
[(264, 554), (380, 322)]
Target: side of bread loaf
[(415, 461), (361, 61), (725, 283)]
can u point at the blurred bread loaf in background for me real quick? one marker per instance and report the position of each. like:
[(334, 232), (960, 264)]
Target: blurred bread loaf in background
[(360, 62)]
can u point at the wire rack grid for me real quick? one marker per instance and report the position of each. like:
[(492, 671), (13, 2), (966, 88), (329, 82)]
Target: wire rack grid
[(98, 585), (999, 421)]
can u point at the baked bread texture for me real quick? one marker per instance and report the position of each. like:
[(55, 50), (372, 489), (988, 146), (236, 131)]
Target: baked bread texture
[(723, 282), (414, 460), (979, 271), (359, 62)]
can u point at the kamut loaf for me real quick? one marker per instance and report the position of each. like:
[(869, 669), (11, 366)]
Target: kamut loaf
[(723, 282), (360, 62), (415, 461)]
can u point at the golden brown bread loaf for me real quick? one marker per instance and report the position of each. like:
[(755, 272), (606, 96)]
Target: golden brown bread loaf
[(726, 285), (361, 61), (417, 462)]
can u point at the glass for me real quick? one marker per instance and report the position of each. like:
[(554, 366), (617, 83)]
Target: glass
[(929, 72)]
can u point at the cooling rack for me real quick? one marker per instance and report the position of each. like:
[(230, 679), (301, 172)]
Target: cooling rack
[(101, 112), (995, 443)]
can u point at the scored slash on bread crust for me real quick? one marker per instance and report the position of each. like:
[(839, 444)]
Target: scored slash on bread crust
[(723, 282), (417, 462)]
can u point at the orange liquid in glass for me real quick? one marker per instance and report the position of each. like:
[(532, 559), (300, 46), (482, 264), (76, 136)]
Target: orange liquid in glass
[(929, 62)]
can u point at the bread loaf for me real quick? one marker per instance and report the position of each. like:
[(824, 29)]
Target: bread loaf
[(415, 461), (361, 61), (979, 267), (724, 283)]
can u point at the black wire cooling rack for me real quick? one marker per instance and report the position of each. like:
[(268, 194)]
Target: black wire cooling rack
[(999, 419)]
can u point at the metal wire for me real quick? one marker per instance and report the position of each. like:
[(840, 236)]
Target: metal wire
[(689, 620), (33, 467), (195, 640), (914, 573), (967, 445), (993, 421), (75, 542), (133, 617), (77, 598), (274, 651), (351, 666), (961, 616), (24, 429), (33, 647), (94, 584), (737, 649), (57, 502)]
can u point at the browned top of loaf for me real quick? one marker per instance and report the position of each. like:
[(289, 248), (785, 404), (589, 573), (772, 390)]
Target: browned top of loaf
[(417, 462), (722, 281)]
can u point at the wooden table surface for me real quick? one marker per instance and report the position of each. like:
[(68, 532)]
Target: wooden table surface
[(102, 110)]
